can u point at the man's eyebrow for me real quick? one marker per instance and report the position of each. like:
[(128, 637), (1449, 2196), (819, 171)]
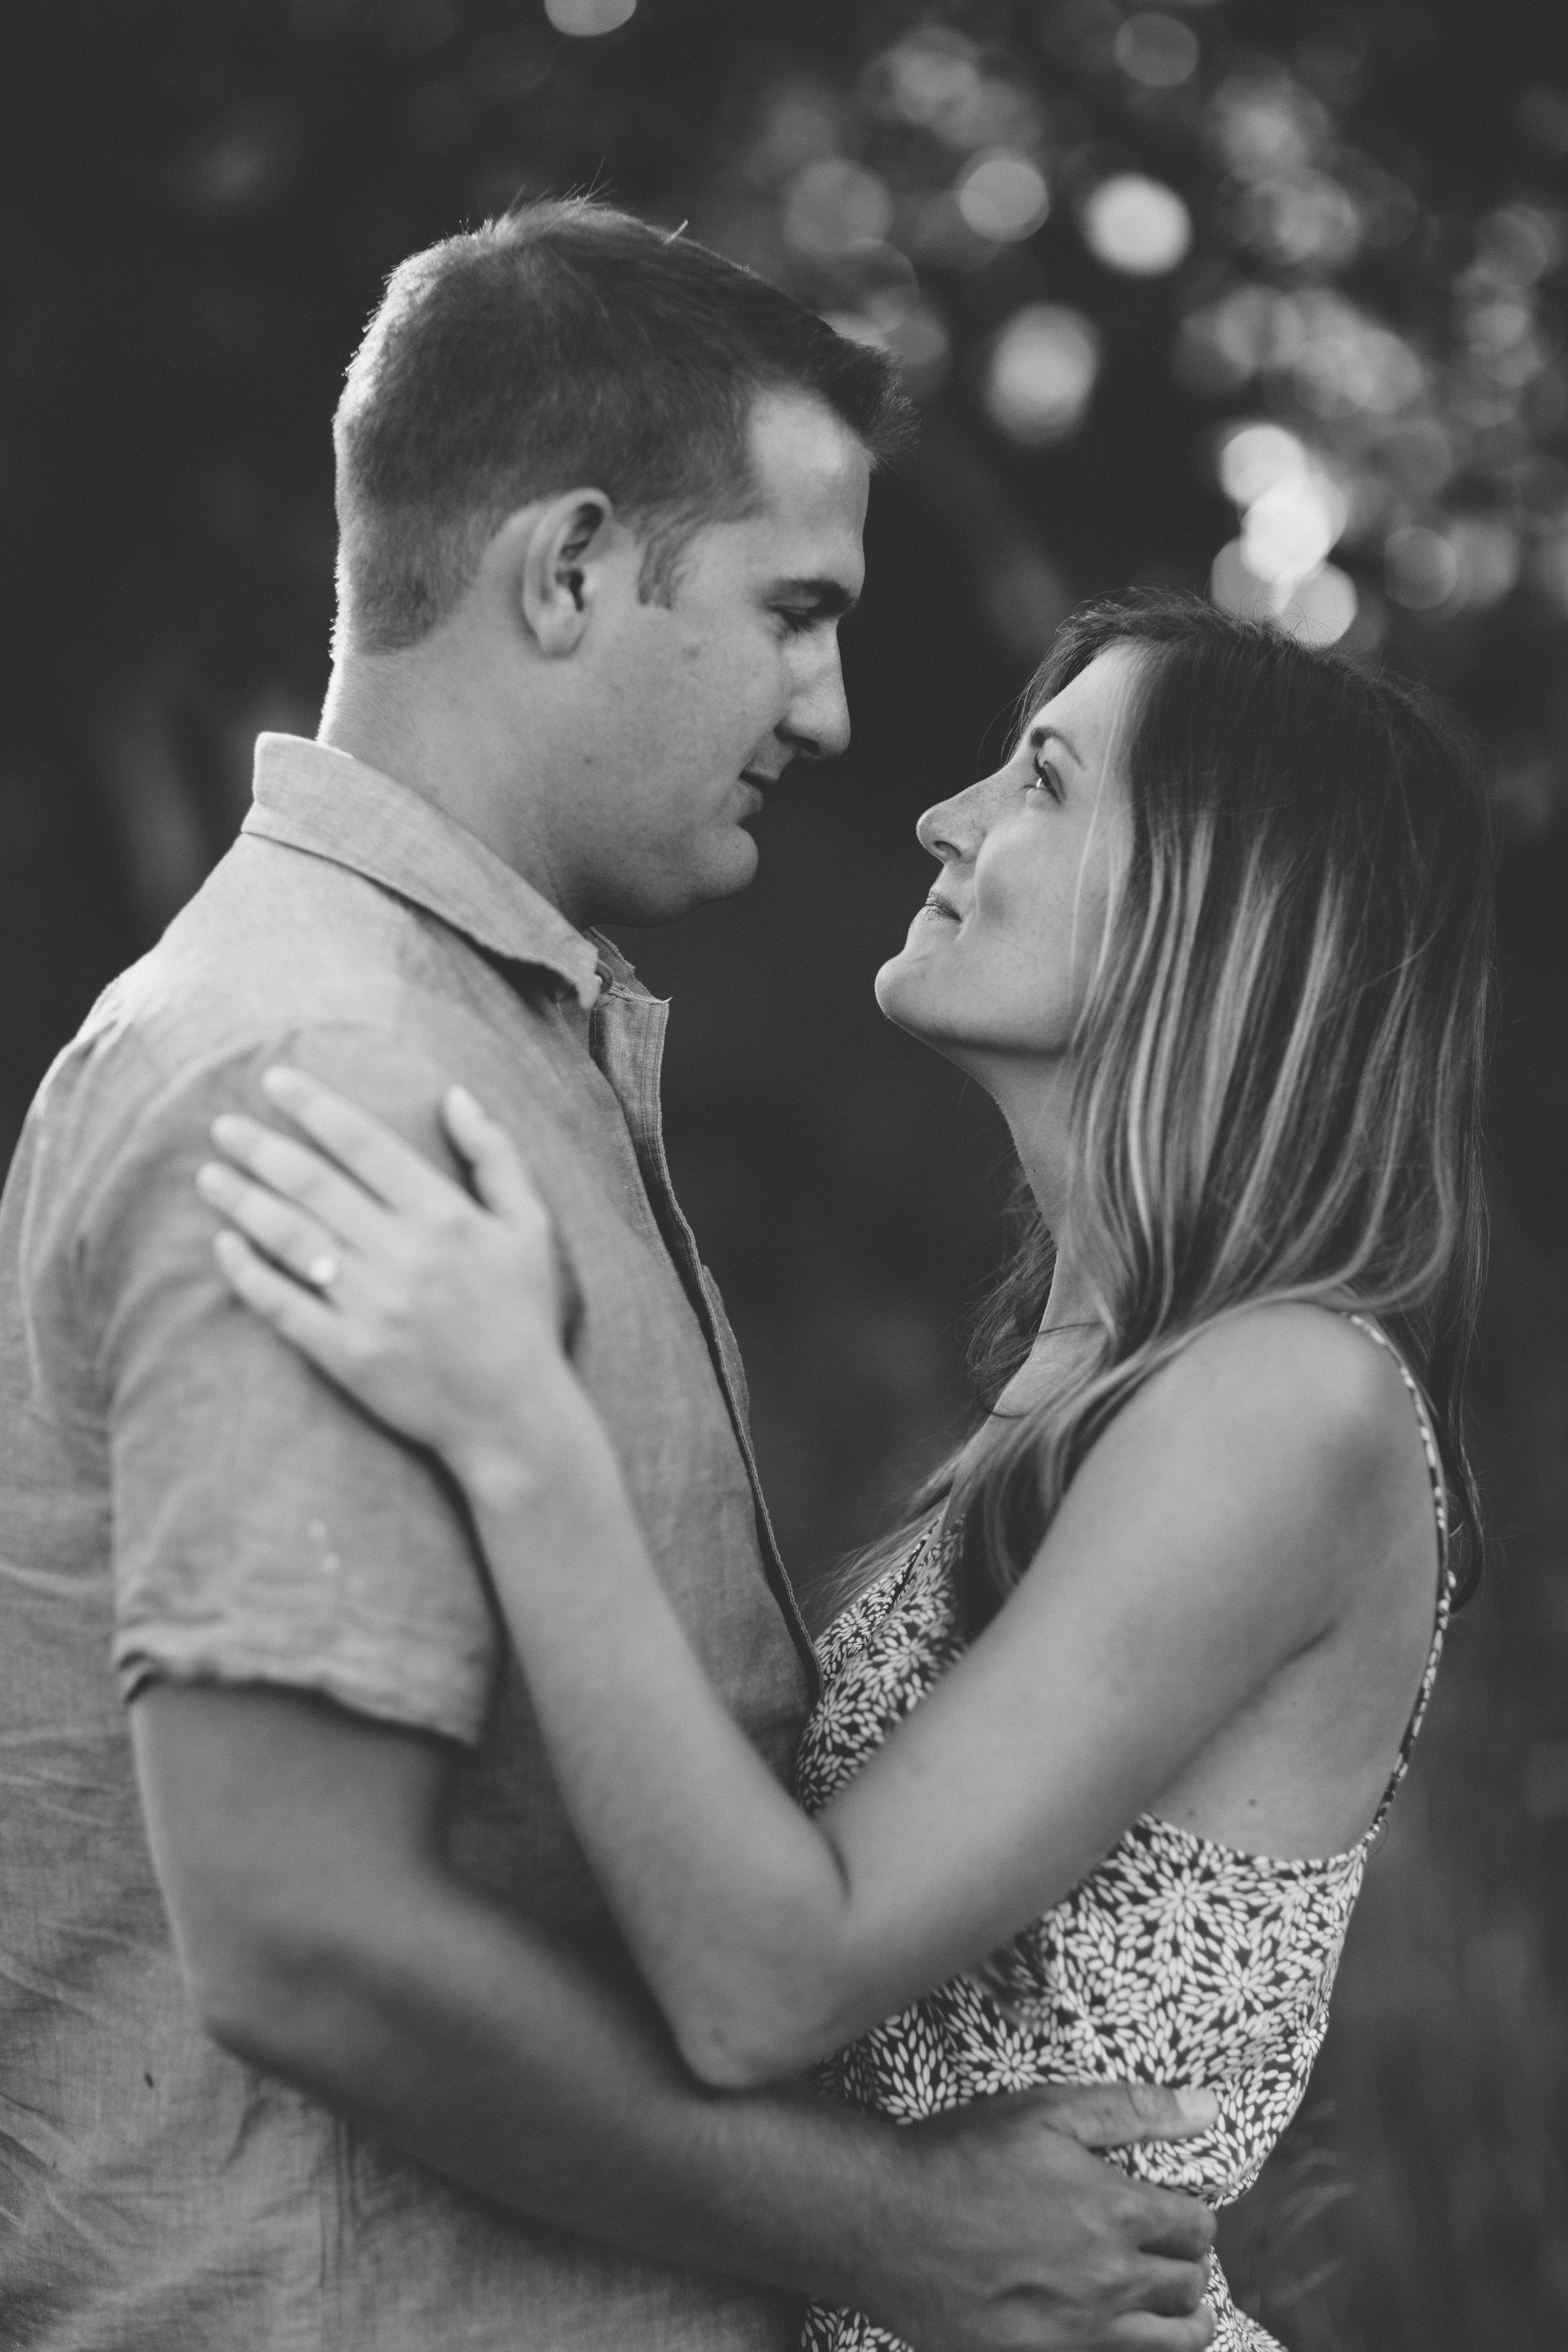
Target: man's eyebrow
[(1038, 731), (830, 598)]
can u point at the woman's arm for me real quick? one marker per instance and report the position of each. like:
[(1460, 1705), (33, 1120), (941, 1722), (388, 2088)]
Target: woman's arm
[(1209, 1538)]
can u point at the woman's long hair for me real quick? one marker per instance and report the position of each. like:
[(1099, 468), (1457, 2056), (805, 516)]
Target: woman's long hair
[(1277, 1071)]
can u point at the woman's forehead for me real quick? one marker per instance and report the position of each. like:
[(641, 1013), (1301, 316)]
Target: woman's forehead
[(1089, 709)]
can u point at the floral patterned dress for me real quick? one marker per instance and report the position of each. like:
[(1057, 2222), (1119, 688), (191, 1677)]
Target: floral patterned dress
[(1176, 1960)]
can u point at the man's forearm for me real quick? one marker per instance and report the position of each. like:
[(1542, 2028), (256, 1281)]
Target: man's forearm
[(324, 1938), (486, 2052), (507, 2062)]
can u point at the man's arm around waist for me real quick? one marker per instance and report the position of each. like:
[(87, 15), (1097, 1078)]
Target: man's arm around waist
[(325, 1938)]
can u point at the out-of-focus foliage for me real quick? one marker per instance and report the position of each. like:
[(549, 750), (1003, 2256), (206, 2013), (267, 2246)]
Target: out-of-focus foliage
[(1262, 294), (1253, 292), (1078, 223)]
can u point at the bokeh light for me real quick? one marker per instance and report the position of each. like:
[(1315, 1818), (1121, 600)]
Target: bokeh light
[(1262, 121), (1288, 530), (1157, 51), (1307, 218), (918, 340), (833, 205), (1542, 116), (932, 78), (1293, 510), (1420, 455), (1002, 195), (1320, 608), (1041, 374), (995, 114), (583, 18), (1256, 458), (1422, 567), (1490, 558), (1549, 570), (799, 126), (936, 233), (912, 328), (929, 75), (1236, 588), (1311, 343), (1136, 224), (1523, 240)]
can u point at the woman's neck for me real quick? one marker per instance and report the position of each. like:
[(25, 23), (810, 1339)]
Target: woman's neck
[(1070, 1305), (1036, 1109)]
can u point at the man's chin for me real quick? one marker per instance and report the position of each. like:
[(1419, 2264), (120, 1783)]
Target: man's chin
[(656, 898), (731, 867)]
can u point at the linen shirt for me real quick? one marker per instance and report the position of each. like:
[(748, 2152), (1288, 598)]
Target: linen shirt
[(181, 1497)]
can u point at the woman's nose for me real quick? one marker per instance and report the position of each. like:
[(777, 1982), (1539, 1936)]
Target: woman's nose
[(951, 829)]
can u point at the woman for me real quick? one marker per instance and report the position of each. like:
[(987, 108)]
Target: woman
[(1214, 938)]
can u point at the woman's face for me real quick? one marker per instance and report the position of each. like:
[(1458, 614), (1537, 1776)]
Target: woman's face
[(995, 966)]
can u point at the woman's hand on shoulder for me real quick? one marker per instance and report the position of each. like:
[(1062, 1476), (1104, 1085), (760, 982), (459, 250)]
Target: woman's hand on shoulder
[(439, 1311)]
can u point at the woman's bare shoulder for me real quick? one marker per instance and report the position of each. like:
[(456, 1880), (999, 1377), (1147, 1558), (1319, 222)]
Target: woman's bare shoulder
[(1295, 1388)]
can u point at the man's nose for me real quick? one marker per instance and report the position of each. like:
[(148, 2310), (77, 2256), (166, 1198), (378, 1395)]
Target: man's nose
[(817, 724)]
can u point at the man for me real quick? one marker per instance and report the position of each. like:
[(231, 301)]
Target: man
[(379, 2076)]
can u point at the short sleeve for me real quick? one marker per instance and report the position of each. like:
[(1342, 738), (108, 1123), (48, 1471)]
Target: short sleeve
[(265, 1528)]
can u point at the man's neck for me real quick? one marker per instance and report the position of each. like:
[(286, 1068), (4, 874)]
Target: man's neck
[(413, 720)]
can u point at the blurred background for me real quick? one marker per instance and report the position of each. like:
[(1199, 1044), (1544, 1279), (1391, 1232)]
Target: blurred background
[(1260, 295)]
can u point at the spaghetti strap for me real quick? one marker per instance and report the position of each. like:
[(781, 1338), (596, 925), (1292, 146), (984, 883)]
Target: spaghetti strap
[(1445, 1572)]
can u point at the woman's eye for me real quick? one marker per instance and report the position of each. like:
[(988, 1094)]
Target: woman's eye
[(1046, 779)]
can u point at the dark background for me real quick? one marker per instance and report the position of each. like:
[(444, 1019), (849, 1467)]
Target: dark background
[(200, 200)]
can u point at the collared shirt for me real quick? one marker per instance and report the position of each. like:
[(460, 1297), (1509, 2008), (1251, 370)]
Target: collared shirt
[(181, 1497)]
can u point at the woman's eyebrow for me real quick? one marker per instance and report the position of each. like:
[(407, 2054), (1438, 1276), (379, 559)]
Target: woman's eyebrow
[(1038, 731)]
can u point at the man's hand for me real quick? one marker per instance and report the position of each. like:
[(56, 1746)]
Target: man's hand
[(1028, 2242)]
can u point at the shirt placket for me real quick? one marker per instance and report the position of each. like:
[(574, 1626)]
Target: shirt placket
[(626, 1036)]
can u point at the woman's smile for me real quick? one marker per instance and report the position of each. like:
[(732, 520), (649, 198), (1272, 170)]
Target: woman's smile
[(935, 904)]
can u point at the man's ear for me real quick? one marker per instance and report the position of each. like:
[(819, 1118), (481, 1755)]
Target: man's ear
[(559, 556)]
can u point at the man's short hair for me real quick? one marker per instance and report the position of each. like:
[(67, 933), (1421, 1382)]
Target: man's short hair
[(566, 344)]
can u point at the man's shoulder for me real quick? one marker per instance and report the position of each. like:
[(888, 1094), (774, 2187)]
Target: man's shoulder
[(282, 955), (274, 937), (277, 945), (243, 977)]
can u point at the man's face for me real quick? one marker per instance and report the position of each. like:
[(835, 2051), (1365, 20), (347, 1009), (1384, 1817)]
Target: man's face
[(693, 709)]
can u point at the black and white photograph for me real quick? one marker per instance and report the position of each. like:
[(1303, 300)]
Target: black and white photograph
[(784, 1108)]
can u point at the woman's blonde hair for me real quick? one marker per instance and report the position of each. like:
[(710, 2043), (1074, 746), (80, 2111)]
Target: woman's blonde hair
[(1279, 1066)]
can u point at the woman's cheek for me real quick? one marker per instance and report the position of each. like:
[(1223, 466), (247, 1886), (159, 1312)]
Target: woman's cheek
[(1002, 901)]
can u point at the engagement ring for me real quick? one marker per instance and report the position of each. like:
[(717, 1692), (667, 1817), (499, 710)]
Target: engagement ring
[(322, 1271)]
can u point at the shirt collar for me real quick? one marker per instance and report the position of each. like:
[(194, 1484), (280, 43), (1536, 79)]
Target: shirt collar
[(312, 797)]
